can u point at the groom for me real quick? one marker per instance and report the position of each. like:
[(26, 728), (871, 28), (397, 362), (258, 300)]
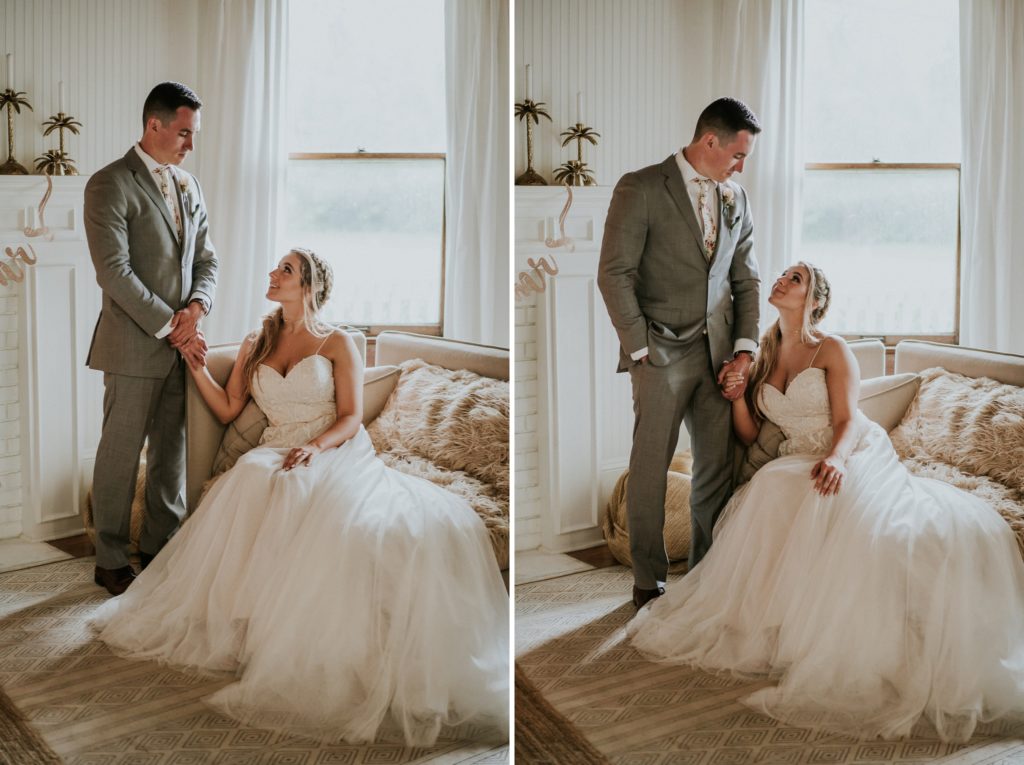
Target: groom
[(680, 283), (145, 220)]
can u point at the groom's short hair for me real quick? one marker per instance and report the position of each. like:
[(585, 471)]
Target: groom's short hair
[(163, 102), (725, 118)]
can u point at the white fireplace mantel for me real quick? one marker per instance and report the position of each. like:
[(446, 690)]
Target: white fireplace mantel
[(584, 408), (60, 400)]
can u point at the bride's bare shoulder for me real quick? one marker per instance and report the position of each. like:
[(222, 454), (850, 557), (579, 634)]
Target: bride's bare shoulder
[(836, 355), (340, 347)]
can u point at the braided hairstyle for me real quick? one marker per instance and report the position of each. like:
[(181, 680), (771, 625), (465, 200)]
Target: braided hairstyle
[(315, 273), (816, 304)]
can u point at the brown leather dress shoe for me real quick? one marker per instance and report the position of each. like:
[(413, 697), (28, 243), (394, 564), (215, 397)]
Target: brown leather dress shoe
[(643, 597), (115, 580)]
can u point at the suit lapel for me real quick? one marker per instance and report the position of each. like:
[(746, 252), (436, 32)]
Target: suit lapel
[(674, 184), (147, 182)]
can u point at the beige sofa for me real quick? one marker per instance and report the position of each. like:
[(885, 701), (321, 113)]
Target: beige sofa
[(212, 446)]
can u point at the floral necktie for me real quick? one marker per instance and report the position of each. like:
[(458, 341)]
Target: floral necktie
[(164, 173), (704, 200)]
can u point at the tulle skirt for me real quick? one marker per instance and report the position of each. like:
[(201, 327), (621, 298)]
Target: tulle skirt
[(896, 599), (339, 594)]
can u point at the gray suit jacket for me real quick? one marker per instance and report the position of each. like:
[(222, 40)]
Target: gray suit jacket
[(145, 273), (660, 290)]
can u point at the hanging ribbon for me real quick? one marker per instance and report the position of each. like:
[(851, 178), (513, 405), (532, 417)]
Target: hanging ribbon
[(43, 230), (533, 281), (563, 241), (12, 272)]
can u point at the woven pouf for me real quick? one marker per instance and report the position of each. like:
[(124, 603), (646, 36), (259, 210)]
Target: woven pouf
[(677, 516), (138, 509)]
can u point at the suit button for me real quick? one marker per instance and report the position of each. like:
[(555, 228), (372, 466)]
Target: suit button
[(705, 332)]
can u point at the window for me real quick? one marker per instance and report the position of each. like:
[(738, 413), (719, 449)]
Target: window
[(366, 138), (882, 183)]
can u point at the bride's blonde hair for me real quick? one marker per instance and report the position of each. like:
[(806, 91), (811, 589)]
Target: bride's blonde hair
[(317, 280), (819, 297)]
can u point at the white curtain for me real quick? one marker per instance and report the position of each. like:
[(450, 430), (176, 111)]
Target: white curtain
[(477, 279), (241, 79), (992, 174)]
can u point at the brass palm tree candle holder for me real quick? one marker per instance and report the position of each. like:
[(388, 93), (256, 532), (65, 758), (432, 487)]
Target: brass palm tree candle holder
[(575, 172), (531, 111), (56, 161), (13, 100)]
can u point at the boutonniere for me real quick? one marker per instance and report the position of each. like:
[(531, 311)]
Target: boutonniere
[(191, 205), (729, 205)]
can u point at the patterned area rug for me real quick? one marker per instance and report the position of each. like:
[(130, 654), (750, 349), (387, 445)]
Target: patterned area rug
[(570, 640), (543, 735), (94, 708), (19, 742)]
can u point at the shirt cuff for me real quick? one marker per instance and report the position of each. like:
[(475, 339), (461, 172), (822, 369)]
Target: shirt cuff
[(165, 330), (637, 355), (203, 301), (744, 344)]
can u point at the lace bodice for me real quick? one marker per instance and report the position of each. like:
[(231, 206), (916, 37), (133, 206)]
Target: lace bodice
[(299, 405), (802, 412)]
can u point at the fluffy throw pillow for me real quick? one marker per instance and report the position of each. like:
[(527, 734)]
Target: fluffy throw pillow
[(456, 419), (973, 424)]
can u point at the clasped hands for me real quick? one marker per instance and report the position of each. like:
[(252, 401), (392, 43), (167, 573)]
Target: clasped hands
[(733, 376), (185, 336)]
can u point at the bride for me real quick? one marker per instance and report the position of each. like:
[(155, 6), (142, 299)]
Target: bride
[(872, 598), (337, 590)]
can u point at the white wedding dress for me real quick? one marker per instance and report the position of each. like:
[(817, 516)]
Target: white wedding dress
[(897, 598), (338, 593)]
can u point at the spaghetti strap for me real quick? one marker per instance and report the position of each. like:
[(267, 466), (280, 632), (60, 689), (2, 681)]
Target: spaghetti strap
[(320, 347), (820, 344)]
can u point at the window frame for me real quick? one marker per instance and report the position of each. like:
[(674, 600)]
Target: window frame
[(890, 340), (372, 330)]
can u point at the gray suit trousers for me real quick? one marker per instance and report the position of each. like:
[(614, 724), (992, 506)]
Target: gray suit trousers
[(134, 409), (663, 397)]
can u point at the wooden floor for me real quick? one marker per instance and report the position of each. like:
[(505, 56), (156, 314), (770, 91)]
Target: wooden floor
[(598, 557), (79, 546)]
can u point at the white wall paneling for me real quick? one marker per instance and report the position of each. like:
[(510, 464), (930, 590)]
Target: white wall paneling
[(642, 65), (582, 431), (59, 400), (109, 54)]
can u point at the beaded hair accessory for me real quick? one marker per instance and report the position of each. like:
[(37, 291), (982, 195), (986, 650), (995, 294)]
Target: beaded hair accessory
[(316, 282)]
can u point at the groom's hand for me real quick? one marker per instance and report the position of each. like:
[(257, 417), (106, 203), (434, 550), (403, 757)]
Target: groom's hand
[(185, 324), (734, 375)]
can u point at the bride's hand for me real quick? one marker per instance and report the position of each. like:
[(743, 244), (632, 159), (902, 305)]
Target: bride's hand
[(301, 455), (828, 475)]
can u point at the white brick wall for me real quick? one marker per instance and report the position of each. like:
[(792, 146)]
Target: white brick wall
[(10, 417), (528, 492)]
